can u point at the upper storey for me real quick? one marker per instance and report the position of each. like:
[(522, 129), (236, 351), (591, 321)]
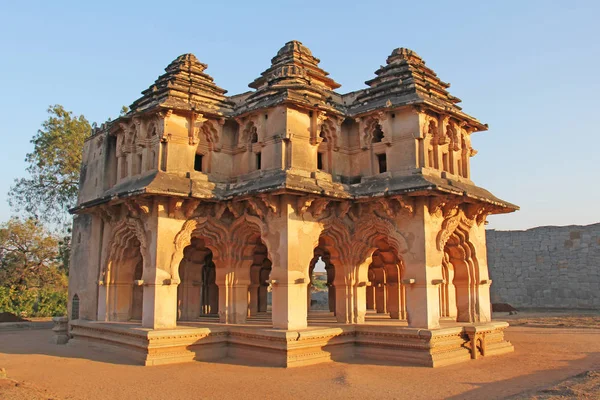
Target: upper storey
[(293, 132)]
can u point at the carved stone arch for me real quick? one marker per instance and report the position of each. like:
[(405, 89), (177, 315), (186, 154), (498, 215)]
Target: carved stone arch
[(243, 234), (372, 130), (248, 134), (369, 229), (124, 232), (452, 135), (450, 225), (211, 132), (461, 253), (330, 133), (214, 233), (152, 129), (335, 230)]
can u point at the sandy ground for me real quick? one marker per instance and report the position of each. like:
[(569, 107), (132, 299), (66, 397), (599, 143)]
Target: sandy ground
[(544, 366), (552, 319)]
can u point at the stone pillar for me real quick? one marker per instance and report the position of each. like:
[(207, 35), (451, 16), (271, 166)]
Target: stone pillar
[(160, 288), (370, 296), (331, 298), (380, 298), (263, 296), (422, 268), (291, 240), (393, 300), (233, 293), (478, 240), (253, 290)]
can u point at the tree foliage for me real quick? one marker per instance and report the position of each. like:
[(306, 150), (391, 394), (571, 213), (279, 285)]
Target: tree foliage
[(53, 168), (32, 276)]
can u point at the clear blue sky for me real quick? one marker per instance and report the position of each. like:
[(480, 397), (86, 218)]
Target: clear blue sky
[(527, 68)]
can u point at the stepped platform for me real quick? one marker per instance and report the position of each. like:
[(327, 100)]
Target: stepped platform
[(257, 343)]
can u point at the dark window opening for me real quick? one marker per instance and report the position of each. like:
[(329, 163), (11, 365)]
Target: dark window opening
[(254, 138), (258, 160), (319, 161), (382, 162), (377, 134), (75, 308), (266, 116), (198, 162)]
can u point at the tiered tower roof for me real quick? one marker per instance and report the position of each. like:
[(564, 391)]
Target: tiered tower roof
[(294, 64), (185, 86), (294, 76), (405, 80)]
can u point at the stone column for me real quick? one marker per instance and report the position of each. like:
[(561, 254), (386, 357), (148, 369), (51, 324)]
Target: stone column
[(370, 296), (422, 268), (478, 240), (233, 293), (291, 240), (380, 295), (393, 300), (253, 299), (160, 288)]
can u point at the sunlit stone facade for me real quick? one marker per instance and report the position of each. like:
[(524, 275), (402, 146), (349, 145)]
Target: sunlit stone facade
[(195, 204)]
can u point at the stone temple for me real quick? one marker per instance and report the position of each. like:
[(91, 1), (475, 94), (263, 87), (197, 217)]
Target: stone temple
[(201, 218)]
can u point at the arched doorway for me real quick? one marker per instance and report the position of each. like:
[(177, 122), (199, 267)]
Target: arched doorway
[(197, 294), (321, 290), (124, 293), (459, 299), (385, 293)]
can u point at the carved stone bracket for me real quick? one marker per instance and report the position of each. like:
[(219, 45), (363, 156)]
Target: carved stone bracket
[(443, 206), (138, 206), (189, 207)]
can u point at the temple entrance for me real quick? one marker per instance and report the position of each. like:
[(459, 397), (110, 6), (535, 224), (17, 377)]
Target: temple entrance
[(198, 293)]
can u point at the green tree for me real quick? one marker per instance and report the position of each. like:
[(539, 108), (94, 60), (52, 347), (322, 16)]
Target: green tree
[(29, 256), (32, 279), (54, 165)]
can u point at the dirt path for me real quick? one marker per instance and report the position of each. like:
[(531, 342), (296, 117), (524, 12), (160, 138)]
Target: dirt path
[(543, 357)]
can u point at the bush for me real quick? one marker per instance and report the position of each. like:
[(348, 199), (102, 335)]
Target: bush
[(33, 302)]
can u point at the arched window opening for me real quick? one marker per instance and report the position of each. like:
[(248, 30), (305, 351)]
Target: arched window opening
[(75, 307)]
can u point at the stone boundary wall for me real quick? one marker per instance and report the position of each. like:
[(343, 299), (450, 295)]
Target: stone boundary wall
[(546, 267)]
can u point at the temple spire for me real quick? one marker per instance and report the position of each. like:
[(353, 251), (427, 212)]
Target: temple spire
[(406, 80), (294, 64), (184, 86)]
